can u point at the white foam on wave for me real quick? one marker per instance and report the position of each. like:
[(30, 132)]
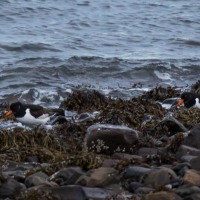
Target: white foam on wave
[(162, 76), (41, 96)]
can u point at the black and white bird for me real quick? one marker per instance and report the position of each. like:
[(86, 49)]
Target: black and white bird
[(31, 114), (189, 99)]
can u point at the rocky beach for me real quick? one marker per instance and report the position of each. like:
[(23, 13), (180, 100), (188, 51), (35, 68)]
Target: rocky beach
[(110, 149)]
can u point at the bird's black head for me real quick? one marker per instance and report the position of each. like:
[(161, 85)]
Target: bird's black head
[(17, 109), (188, 99)]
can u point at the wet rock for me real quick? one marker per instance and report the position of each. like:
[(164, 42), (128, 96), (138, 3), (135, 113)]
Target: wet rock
[(172, 124), (10, 166), (84, 117), (187, 158), (186, 190), (147, 151), (110, 163), (107, 139), (82, 180), (80, 193), (195, 163), (193, 138), (38, 178), (73, 192), (32, 159), (136, 172), (95, 193), (162, 195), (133, 186), (159, 177), (144, 190), (10, 188), (102, 176), (195, 196), (186, 150), (128, 157), (181, 168), (38, 193), (67, 176), (18, 175), (192, 177)]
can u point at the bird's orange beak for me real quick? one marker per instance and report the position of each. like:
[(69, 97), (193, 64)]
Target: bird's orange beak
[(10, 112), (180, 102)]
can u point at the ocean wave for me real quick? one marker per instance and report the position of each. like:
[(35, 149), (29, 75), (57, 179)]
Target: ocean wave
[(28, 47)]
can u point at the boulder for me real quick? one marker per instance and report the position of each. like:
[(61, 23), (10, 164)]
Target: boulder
[(193, 138), (107, 138)]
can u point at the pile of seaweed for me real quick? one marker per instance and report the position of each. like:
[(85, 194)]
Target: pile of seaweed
[(63, 145), (141, 113)]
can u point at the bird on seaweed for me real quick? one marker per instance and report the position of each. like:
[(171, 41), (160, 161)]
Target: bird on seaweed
[(189, 99), (31, 114)]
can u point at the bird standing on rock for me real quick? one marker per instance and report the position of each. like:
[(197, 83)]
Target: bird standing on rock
[(189, 99), (30, 114)]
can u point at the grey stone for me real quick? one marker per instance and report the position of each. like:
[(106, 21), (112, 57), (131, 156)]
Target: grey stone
[(108, 138)]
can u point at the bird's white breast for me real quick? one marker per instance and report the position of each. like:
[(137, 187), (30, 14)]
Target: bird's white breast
[(28, 119), (197, 105)]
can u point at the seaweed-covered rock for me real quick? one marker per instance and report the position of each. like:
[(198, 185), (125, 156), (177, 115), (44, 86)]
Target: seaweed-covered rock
[(189, 117), (131, 112), (85, 101), (107, 138), (160, 93), (196, 87), (173, 125)]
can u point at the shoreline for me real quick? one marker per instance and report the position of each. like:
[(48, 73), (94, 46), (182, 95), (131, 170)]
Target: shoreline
[(129, 149)]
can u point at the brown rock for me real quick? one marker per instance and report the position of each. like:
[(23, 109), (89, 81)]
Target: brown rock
[(110, 163), (187, 150), (102, 176), (162, 196), (38, 178), (192, 177), (159, 177), (128, 157)]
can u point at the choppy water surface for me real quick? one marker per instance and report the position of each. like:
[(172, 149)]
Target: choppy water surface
[(48, 48)]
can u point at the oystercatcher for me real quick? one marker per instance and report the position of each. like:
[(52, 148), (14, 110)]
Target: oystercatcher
[(30, 114), (189, 99)]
